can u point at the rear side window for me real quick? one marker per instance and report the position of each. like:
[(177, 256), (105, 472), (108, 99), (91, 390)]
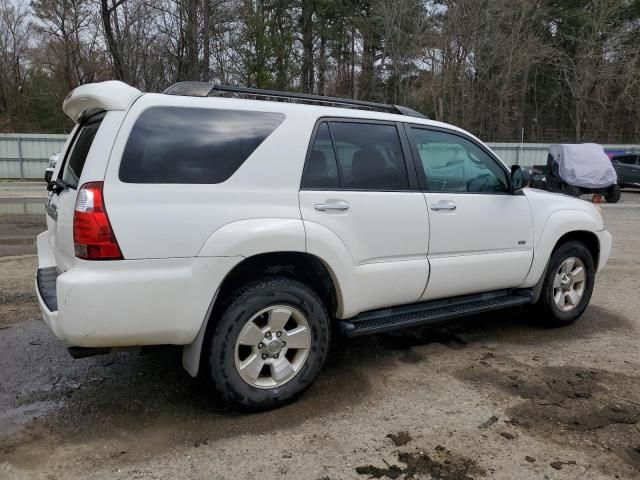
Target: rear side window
[(322, 169), (369, 157), (77, 155), (192, 145)]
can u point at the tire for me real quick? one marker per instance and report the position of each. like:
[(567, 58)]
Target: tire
[(275, 384), (613, 194), (571, 190), (549, 311)]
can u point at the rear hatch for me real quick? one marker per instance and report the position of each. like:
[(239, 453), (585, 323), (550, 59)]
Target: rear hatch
[(98, 110), (61, 204)]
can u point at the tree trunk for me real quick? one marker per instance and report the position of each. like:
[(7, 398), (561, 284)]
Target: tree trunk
[(523, 98), (118, 69), (322, 66), (206, 40), (306, 25), (192, 40), (352, 82)]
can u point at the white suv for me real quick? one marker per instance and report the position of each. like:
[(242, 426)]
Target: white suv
[(250, 225)]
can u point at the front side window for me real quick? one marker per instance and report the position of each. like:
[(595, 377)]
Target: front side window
[(452, 163), (193, 145), (79, 150), (627, 160), (369, 157)]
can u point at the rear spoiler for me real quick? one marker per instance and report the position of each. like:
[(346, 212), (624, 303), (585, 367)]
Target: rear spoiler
[(93, 97)]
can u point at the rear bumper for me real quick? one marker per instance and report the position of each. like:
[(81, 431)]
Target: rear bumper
[(606, 241), (129, 302)]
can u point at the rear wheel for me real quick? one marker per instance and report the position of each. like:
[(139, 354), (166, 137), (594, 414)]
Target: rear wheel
[(269, 343), (568, 284), (613, 194)]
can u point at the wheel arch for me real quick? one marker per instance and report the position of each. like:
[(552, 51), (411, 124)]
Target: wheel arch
[(304, 267), (588, 238)]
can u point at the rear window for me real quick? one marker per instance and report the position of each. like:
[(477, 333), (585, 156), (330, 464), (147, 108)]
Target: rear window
[(78, 151), (192, 145)]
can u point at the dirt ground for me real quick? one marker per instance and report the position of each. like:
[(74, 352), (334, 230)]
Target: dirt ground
[(493, 396)]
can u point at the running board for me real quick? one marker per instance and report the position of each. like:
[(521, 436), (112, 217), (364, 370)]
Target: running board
[(384, 320)]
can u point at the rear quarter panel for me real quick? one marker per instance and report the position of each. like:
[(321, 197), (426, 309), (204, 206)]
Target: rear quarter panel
[(177, 220)]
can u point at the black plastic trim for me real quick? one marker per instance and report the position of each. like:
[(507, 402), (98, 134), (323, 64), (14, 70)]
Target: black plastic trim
[(436, 311), (205, 89), (46, 281)]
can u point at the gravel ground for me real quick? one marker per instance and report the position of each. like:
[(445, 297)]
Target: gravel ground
[(493, 396)]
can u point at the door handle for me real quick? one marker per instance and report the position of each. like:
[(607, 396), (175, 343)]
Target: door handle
[(443, 206), (339, 205)]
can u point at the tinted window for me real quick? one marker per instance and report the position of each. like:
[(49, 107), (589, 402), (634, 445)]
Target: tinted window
[(78, 153), (192, 145), (322, 171), (454, 164), (626, 160), (369, 156)]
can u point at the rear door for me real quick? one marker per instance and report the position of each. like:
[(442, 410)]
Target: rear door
[(357, 185), (60, 206), (481, 235)]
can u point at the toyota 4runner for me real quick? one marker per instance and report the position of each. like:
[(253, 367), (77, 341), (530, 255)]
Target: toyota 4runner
[(249, 226)]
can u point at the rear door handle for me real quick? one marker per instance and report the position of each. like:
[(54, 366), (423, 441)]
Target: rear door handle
[(339, 205), (446, 205)]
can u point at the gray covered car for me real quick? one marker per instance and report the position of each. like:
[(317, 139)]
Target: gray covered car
[(578, 169)]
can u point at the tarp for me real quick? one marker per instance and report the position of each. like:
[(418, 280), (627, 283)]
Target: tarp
[(583, 165)]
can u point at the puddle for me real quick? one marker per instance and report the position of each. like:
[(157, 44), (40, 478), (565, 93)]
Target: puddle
[(90, 405), (21, 220)]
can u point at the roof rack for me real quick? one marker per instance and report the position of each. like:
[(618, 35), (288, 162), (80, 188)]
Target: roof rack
[(205, 89)]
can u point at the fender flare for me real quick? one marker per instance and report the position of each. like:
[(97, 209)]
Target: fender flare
[(251, 237), (557, 225), (246, 238)]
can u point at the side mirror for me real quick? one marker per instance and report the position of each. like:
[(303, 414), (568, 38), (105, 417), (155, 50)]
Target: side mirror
[(47, 175), (519, 178)]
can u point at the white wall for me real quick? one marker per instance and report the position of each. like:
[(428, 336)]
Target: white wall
[(27, 155)]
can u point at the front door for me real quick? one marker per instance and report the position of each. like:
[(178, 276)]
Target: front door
[(481, 235), (356, 191)]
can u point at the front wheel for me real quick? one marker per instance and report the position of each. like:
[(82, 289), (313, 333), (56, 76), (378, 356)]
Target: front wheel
[(269, 343), (568, 284)]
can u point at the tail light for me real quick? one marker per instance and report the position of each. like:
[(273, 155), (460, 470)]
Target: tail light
[(93, 237)]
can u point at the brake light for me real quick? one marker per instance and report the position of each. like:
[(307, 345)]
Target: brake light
[(93, 237)]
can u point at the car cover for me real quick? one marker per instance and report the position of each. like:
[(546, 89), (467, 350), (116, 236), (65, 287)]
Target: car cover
[(583, 165)]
